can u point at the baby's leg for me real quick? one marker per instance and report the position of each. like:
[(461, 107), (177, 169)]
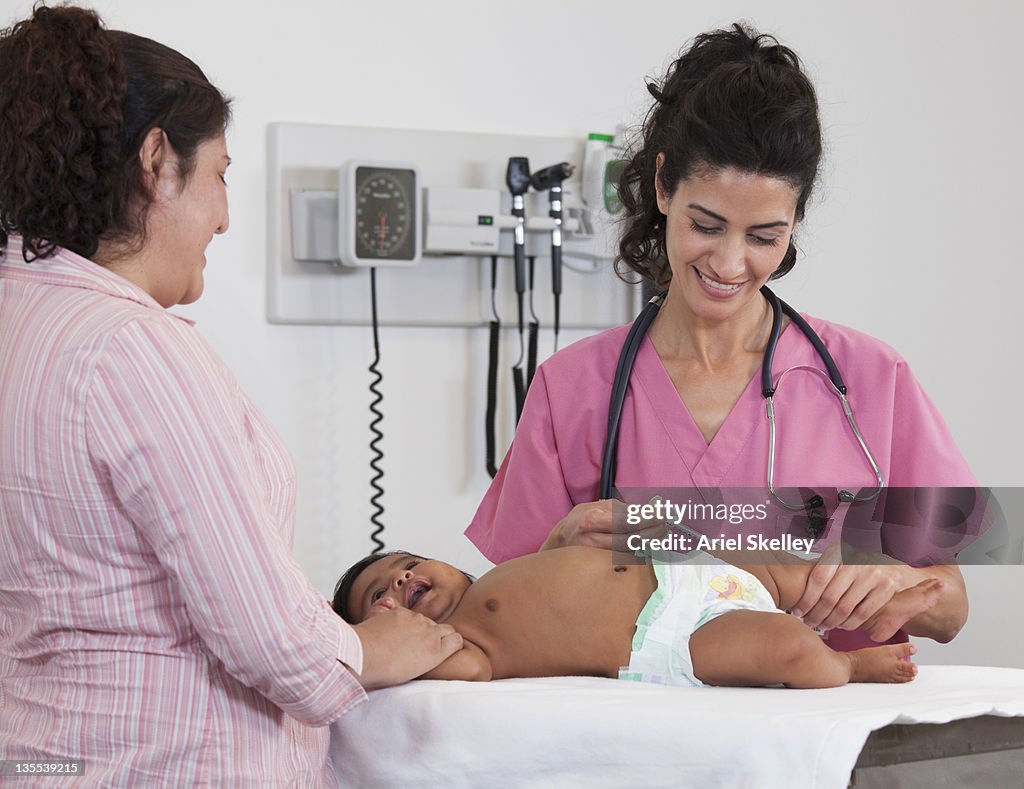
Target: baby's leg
[(751, 648)]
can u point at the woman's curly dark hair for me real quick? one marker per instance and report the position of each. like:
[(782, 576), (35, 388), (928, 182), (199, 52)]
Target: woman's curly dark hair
[(734, 98), (76, 103)]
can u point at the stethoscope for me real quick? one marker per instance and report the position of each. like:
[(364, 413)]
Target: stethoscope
[(624, 369)]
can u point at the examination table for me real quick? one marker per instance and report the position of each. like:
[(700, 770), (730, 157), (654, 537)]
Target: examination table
[(951, 726)]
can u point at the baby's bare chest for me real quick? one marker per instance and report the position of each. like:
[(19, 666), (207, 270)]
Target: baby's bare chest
[(531, 620)]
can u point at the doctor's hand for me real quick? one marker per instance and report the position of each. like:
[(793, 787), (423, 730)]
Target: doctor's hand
[(594, 524), (846, 595), (400, 645), (586, 524)]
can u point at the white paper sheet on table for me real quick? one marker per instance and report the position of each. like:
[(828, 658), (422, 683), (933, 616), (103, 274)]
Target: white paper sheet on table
[(580, 731)]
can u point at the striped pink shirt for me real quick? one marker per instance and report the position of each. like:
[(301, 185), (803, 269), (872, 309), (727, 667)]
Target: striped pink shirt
[(154, 624)]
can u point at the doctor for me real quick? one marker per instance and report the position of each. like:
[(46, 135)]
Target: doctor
[(714, 196)]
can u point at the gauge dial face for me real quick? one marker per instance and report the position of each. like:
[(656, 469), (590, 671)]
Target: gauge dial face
[(385, 213)]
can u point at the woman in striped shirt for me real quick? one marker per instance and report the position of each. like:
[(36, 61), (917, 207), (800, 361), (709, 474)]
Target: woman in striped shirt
[(154, 625)]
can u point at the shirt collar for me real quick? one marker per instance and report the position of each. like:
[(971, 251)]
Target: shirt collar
[(67, 269)]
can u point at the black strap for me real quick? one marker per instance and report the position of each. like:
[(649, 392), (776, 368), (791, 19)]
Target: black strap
[(534, 329), (531, 353), (520, 387), (492, 396), (556, 287), (518, 382), (492, 374)]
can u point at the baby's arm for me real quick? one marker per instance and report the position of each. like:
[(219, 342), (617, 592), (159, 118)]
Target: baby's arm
[(469, 663)]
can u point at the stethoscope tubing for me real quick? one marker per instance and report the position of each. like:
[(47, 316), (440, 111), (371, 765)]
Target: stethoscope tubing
[(624, 371)]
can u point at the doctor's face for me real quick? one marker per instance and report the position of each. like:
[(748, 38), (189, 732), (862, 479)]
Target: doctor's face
[(726, 231), (427, 586)]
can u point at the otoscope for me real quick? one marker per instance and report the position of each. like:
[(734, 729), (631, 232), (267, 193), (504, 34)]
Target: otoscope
[(551, 178), (518, 180)]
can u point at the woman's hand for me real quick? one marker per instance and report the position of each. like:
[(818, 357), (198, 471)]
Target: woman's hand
[(400, 645)]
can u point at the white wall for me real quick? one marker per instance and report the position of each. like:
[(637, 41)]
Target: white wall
[(914, 237)]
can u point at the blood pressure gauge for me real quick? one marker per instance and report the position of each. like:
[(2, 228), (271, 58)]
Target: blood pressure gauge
[(379, 214)]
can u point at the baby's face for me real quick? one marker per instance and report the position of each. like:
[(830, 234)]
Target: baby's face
[(427, 586)]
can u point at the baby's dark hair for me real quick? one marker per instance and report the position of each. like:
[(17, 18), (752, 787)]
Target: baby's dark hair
[(343, 588), (735, 98)]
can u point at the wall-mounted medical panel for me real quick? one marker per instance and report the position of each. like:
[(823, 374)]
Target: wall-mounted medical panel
[(459, 176)]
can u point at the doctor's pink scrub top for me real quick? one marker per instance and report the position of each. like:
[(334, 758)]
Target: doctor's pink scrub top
[(554, 461), (154, 625)]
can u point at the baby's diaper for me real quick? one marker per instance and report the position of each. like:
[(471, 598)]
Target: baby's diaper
[(689, 595)]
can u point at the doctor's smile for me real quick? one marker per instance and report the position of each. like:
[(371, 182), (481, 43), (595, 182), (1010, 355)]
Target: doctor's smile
[(721, 289)]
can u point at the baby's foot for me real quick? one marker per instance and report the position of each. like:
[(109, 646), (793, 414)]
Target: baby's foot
[(903, 606), (889, 663)]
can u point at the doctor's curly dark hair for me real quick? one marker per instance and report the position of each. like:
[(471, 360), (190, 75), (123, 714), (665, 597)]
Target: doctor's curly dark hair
[(76, 103), (734, 98)]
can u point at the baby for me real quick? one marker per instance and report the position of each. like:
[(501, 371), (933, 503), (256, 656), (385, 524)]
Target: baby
[(574, 611)]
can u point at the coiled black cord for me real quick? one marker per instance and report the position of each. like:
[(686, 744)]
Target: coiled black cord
[(378, 417)]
